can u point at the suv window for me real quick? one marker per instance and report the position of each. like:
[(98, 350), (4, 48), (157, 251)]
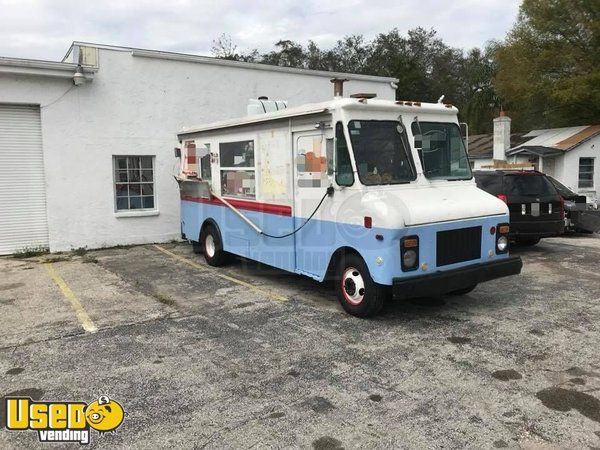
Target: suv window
[(491, 183), (528, 185)]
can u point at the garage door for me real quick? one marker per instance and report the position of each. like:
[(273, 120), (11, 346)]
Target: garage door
[(23, 222)]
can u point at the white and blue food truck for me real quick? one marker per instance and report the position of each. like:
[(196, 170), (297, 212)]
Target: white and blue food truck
[(375, 194)]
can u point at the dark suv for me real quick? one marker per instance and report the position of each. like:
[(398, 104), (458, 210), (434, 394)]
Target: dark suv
[(536, 208)]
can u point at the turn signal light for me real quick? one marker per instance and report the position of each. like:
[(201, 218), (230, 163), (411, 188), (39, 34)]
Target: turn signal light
[(411, 243), (503, 229)]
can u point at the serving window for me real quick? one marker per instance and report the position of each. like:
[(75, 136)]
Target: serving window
[(238, 171)]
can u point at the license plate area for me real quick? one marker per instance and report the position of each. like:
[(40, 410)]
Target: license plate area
[(535, 209)]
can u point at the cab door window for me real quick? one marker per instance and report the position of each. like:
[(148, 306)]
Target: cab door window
[(344, 176)]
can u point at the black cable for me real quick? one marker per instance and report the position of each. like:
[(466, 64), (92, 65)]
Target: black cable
[(328, 192)]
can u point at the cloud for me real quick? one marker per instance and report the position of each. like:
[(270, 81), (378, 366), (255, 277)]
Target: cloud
[(44, 29)]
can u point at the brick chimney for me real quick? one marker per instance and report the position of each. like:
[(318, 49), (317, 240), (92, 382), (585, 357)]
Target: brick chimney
[(501, 136)]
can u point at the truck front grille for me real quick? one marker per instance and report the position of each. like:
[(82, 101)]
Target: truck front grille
[(454, 246)]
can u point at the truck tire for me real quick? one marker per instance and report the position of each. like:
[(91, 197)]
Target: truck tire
[(212, 246), (358, 294), (463, 291), (196, 247)]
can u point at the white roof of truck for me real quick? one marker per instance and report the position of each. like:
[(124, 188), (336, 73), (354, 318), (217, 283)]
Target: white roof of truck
[(323, 107)]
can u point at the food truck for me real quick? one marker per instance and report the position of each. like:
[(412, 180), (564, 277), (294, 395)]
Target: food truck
[(376, 195)]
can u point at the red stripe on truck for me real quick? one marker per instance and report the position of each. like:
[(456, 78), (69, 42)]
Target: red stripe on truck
[(269, 208)]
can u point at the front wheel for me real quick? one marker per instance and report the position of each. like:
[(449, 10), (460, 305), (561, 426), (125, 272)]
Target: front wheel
[(463, 291), (358, 294), (212, 247)]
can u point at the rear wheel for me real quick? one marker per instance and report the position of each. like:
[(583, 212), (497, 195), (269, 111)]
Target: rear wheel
[(526, 242), (212, 246), (358, 294)]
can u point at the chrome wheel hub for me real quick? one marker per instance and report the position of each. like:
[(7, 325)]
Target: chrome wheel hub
[(353, 286), (209, 246)]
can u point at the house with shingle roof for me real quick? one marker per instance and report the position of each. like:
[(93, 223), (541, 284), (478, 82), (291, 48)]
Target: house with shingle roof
[(570, 154)]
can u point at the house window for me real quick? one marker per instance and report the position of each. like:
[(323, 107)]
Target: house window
[(237, 169), (586, 172), (134, 182)]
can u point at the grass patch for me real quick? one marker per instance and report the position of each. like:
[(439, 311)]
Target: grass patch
[(89, 259), (164, 298), (29, 252), (79, 251), (57, 258)]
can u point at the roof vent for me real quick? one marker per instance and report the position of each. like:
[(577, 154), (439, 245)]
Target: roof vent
[(263, 105)]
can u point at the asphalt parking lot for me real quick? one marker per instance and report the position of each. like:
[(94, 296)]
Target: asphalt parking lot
[(248, 356)]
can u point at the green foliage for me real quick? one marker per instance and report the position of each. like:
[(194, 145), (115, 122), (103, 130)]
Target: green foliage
[(549, 69), (29, 252), (425, 66), (546, 74), (79, 251)]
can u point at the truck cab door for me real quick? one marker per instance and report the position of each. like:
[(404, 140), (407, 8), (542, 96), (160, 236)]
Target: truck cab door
[(313, 152)]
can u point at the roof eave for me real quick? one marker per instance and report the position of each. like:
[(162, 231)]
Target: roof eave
[(255, 66), (19, 66)]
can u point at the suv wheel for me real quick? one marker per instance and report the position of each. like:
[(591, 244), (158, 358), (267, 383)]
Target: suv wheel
[(527, 242)]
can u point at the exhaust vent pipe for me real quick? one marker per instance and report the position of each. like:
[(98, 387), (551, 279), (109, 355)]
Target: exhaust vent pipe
[(338, 86)]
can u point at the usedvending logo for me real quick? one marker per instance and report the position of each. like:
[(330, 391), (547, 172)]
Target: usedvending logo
[(63, 421)]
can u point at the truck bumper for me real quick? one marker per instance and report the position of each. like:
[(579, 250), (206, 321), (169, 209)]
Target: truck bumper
[(535, 229), (452, 280)]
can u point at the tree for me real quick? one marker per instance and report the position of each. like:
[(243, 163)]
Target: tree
[(481, 102), (424, 65), (549, 69), (224, 48)]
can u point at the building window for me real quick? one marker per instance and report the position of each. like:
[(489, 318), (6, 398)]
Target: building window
[(586, 172), (134, 182), (237, 169)]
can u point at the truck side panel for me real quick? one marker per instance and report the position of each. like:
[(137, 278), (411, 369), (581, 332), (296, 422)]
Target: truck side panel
[(318, 240)]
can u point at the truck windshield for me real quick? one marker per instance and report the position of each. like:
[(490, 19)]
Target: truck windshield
[(381, 152), (441, 150)]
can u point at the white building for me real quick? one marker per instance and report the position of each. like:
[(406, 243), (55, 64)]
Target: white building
[(70, 130), (571, 155)]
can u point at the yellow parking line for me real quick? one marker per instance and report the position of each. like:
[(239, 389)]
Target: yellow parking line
[(82, 316), (202, 268)]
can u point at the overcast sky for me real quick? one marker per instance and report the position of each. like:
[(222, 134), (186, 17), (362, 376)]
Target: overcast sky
[(44, 29)]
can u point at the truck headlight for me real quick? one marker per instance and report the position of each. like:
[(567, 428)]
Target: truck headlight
[(409, 258), (409, 253), (502, 230), (502, 244)]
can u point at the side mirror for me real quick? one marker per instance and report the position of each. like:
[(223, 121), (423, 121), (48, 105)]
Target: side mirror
[(177, 152)]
